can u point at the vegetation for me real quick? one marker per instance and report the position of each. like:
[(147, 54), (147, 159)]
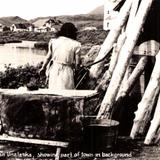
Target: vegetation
[(7, 37), (22, 75), (26, 75)]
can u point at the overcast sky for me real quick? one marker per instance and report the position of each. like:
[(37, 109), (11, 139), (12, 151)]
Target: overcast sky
[(29, 9)]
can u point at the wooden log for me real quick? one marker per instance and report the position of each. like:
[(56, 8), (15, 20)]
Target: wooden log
[(107, 45), (148, 115), (148, 99), (124, 57), (114, 57), (132, 15), (155, 123), (125, 79), (157, 139), (34, 141), (128, 85)]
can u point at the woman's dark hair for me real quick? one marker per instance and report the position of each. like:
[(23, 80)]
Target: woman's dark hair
[(68, 30)]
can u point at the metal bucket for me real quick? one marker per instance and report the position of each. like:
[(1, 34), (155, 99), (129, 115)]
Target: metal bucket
[(100, 135)]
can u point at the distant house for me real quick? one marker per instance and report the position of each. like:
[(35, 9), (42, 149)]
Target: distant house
[(36, 29), (89, 28), (3, 28), (31, 27), (20, 27), (52, 23), (6, 28), (42, 29)]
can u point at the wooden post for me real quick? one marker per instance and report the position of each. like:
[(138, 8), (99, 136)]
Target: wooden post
[(132, 15), (128, 84), (155, 123), (157, 139), (107, 45), (114, 58), (130, 22), (58, 153), (125, 79), (34, 141), (124, 57), (148, 99), (147, 117)]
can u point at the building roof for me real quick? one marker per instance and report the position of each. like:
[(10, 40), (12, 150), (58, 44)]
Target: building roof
[(23, 25), (53, 21)]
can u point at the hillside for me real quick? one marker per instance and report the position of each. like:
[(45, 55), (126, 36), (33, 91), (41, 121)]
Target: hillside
[(93, 18), (99, 10), (79, 20), (116, 5), (8, 21)]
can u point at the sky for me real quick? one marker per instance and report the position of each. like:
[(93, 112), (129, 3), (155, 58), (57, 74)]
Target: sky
[(29, 9)]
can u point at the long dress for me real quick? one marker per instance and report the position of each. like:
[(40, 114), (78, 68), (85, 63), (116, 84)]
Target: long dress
[(63, 52)]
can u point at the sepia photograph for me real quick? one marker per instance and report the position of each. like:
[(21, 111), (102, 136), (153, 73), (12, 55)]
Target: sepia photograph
[(80, 80)]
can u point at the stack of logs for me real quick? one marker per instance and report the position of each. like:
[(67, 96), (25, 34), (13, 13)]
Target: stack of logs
[(123, 38)]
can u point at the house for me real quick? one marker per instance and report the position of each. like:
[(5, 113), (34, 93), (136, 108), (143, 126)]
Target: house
[(4, 28), (31, 28), (20, 27), (52, 23), (91, 28), (42, 29)]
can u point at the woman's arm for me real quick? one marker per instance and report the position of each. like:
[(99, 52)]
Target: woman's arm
[(48, 57), (77, 57)]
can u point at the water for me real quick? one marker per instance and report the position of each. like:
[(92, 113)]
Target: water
[(20, 54)]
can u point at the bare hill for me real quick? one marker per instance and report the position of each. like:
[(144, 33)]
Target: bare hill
[(99, 11), (8, 21)]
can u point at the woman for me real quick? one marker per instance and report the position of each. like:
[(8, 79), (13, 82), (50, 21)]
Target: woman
[(62, 58)]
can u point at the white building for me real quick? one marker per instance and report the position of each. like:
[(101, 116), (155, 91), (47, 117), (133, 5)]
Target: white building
[(110, 13), (20, 27)]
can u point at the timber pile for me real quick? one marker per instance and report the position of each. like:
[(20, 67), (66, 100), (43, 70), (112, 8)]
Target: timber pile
[(122, 40)]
